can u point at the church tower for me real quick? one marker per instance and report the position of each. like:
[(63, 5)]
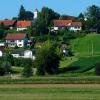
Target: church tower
[(35, 13)]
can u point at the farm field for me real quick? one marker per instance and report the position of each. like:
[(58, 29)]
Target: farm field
[(50, 92)]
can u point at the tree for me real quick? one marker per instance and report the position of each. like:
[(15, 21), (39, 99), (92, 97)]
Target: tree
[(2, 31), (9, 58), (6, 66), (22, 13), (29, 15), (47, 60), (27, 71), (93, 17), (44, 20), (81, 16)]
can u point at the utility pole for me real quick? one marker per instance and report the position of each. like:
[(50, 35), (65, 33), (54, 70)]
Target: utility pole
[(92, 47), (49, 35)]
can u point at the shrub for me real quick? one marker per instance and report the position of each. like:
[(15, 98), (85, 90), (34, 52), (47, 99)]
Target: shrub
[(97, 68), (6, 66), (27, 71), (47, 60)]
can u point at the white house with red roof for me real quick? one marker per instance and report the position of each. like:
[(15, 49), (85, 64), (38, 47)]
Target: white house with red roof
[(18, 39), (23, 25), (75, 26), (69, 24), (9, 23)]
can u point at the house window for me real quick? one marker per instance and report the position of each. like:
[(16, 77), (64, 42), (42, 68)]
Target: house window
[(12, 41), (20, 40), (20, 44)]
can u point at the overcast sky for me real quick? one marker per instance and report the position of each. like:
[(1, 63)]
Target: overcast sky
[(10, 8)]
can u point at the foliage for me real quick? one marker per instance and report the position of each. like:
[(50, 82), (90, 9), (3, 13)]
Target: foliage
[(22, 13), (47, 61), (25, 15), (19, 62), (2, 31), (93, 17), (6, 67), (44, 20), (9, 58), (97, 68), (27, 71)]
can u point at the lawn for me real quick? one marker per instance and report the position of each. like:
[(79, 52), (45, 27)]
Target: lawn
[(87, 46), (50, 92)]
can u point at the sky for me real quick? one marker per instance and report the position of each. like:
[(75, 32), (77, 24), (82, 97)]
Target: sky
[(10, 8)]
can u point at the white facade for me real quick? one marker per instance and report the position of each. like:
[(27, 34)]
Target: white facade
[(55, 28), (21, 29), (1, 53), (20, 43), (15, 55), (26, 54), (2, 44), (71, 28), (35, 14), (75, 28), (13, 43)]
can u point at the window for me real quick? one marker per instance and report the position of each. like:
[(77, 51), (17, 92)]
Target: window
[(20, 41)]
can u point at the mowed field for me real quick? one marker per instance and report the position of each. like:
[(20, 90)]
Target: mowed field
[(87, 46), (50, 92)]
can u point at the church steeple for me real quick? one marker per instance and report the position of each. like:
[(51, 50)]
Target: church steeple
[(35, 13)]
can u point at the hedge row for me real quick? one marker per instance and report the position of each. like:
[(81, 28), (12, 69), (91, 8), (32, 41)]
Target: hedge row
[(52, 80)]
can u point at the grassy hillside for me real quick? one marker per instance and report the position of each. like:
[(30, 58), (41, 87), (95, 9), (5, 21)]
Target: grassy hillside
[(86, 51), (87, 46)]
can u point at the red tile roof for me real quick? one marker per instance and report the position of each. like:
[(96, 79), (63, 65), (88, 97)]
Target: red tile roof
[(62, 22), (65, 23), (16, 36), (68, 17), (7, 22), (76, 24), (24, 24)]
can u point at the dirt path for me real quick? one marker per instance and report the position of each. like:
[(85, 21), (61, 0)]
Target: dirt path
[(49, 85)]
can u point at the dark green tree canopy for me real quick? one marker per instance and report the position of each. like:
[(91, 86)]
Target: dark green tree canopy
[(25, 15), (22, 13), (47, 60), (93, 17), (44, 20)]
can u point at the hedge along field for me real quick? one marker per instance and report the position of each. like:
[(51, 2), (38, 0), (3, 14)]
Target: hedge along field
[(50, 92), (53, 80)]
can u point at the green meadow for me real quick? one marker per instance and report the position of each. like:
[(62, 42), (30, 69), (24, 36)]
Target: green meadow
[(50, 92)]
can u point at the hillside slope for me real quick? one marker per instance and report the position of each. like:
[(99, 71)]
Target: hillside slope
[(87, 46)]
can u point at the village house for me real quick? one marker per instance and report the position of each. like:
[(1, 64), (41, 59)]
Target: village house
[(18, 39), (69, 24), (2, 43), (20, 53), (10, 24), (23, 25), (1, 52)]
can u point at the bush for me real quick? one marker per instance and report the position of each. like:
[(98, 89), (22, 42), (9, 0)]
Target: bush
[(97, 68), (27, 71), (47, 60), (6, 66), (9, 58)]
